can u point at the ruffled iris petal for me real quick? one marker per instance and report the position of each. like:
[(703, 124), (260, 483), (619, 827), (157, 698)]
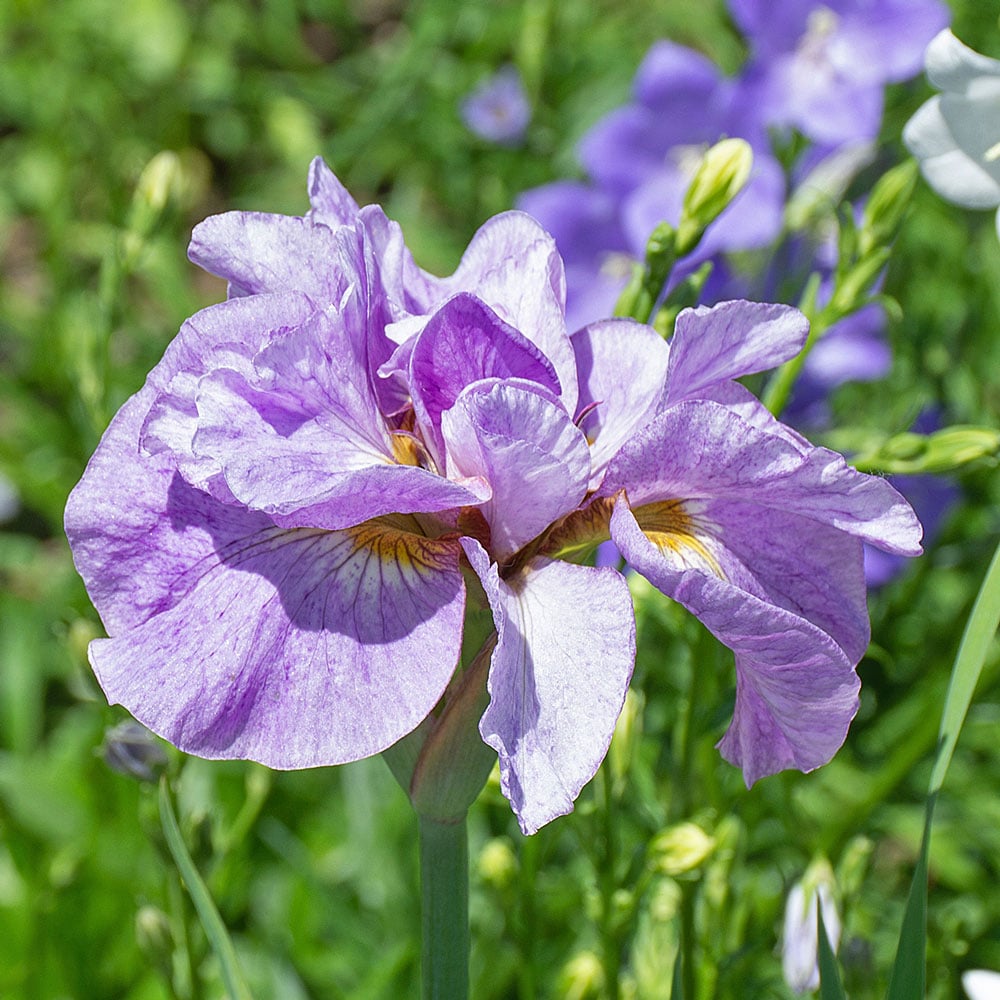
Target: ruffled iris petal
[(557, 679), (257, 252), (465, 342), (622, 371), (796, 689), (699, 449), (715, 343), (526, 447), (343, 621)]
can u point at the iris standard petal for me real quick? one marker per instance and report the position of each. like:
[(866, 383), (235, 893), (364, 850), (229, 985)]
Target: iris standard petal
[(527, 448), (513, 265), (331, 203), (557, 679), (796, 689), (700, 450), (716, 343), (343, 621), (257, 252), (622, 371), (465, 342)]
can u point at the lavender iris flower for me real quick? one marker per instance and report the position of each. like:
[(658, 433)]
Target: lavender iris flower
[(498, 109), (283, 528)]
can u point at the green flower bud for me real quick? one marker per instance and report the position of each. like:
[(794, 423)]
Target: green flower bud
[(680, 848), (582, 977), (945, 450), (498, 863), (722, 174), (887, 205), (154, 936), (626, 736)]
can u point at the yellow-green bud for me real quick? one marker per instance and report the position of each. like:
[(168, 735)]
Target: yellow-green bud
[(721, 176), (945, 450), (680, 848), (498, 863), (887, 206), (582, 977), (153, 935), (626, 736)]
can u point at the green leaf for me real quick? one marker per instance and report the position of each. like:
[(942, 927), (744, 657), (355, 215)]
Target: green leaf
[(909, 970), (830, 986)]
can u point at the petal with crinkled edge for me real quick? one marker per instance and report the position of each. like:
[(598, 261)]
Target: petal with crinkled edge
[(258, 252), (331, 203), (796, 689), (302, 441), (464, 342), (526, 447), (513, 265), (557, 679), (131, 520), (622, 371), (701, 450), (289, 640), (715, 343)]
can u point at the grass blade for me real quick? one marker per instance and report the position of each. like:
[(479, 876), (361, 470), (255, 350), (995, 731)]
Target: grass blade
[(909, 970), (830, 986)]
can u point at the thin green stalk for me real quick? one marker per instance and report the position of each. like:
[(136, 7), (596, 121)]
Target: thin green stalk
[(444, 909), (609, 887), (527, 978), (215, 929)]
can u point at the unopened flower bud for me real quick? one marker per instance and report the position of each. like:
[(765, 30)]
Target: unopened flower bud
[(497, 863), (945, 450), (582, 977), (722, 175), (800, 936), (153, 935), (680, 848), (887, 205), (626, 736), (131, 749)]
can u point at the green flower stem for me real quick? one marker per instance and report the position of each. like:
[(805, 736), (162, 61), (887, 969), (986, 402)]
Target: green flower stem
[(609, 887), (444, 909)]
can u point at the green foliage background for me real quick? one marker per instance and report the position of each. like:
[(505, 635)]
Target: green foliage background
[(315, 872)]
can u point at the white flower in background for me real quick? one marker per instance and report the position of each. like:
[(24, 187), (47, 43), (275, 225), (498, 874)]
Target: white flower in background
[(800, 936), (9, 504), (956, 135), (979, 984)]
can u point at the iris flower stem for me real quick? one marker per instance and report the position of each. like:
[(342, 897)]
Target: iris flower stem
[(609, 886), (444, 909)]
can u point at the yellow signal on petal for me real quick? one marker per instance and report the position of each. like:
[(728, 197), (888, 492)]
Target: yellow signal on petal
[(674, 530)]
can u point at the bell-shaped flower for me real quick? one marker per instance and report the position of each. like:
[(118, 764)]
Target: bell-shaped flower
[(282, 530), (955, 135)]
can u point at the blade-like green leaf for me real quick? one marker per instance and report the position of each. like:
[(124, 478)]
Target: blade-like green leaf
[(830, 986), (909, 970), (215, 929)]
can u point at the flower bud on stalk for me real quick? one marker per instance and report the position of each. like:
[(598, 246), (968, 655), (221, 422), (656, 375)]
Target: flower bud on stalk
[(721, 176)]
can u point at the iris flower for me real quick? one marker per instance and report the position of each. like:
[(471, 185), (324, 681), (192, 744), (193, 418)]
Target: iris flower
[(283, 529)]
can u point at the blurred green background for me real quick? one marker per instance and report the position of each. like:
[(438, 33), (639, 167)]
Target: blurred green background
[(315, 872)]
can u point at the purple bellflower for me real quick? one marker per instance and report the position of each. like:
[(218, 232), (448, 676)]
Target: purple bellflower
[(283, 528), (822, 67), (641, 158), (498, 109)]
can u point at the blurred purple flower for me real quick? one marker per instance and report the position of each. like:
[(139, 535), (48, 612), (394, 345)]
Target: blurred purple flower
[(498, 109), (276, 529), (822, 67)]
